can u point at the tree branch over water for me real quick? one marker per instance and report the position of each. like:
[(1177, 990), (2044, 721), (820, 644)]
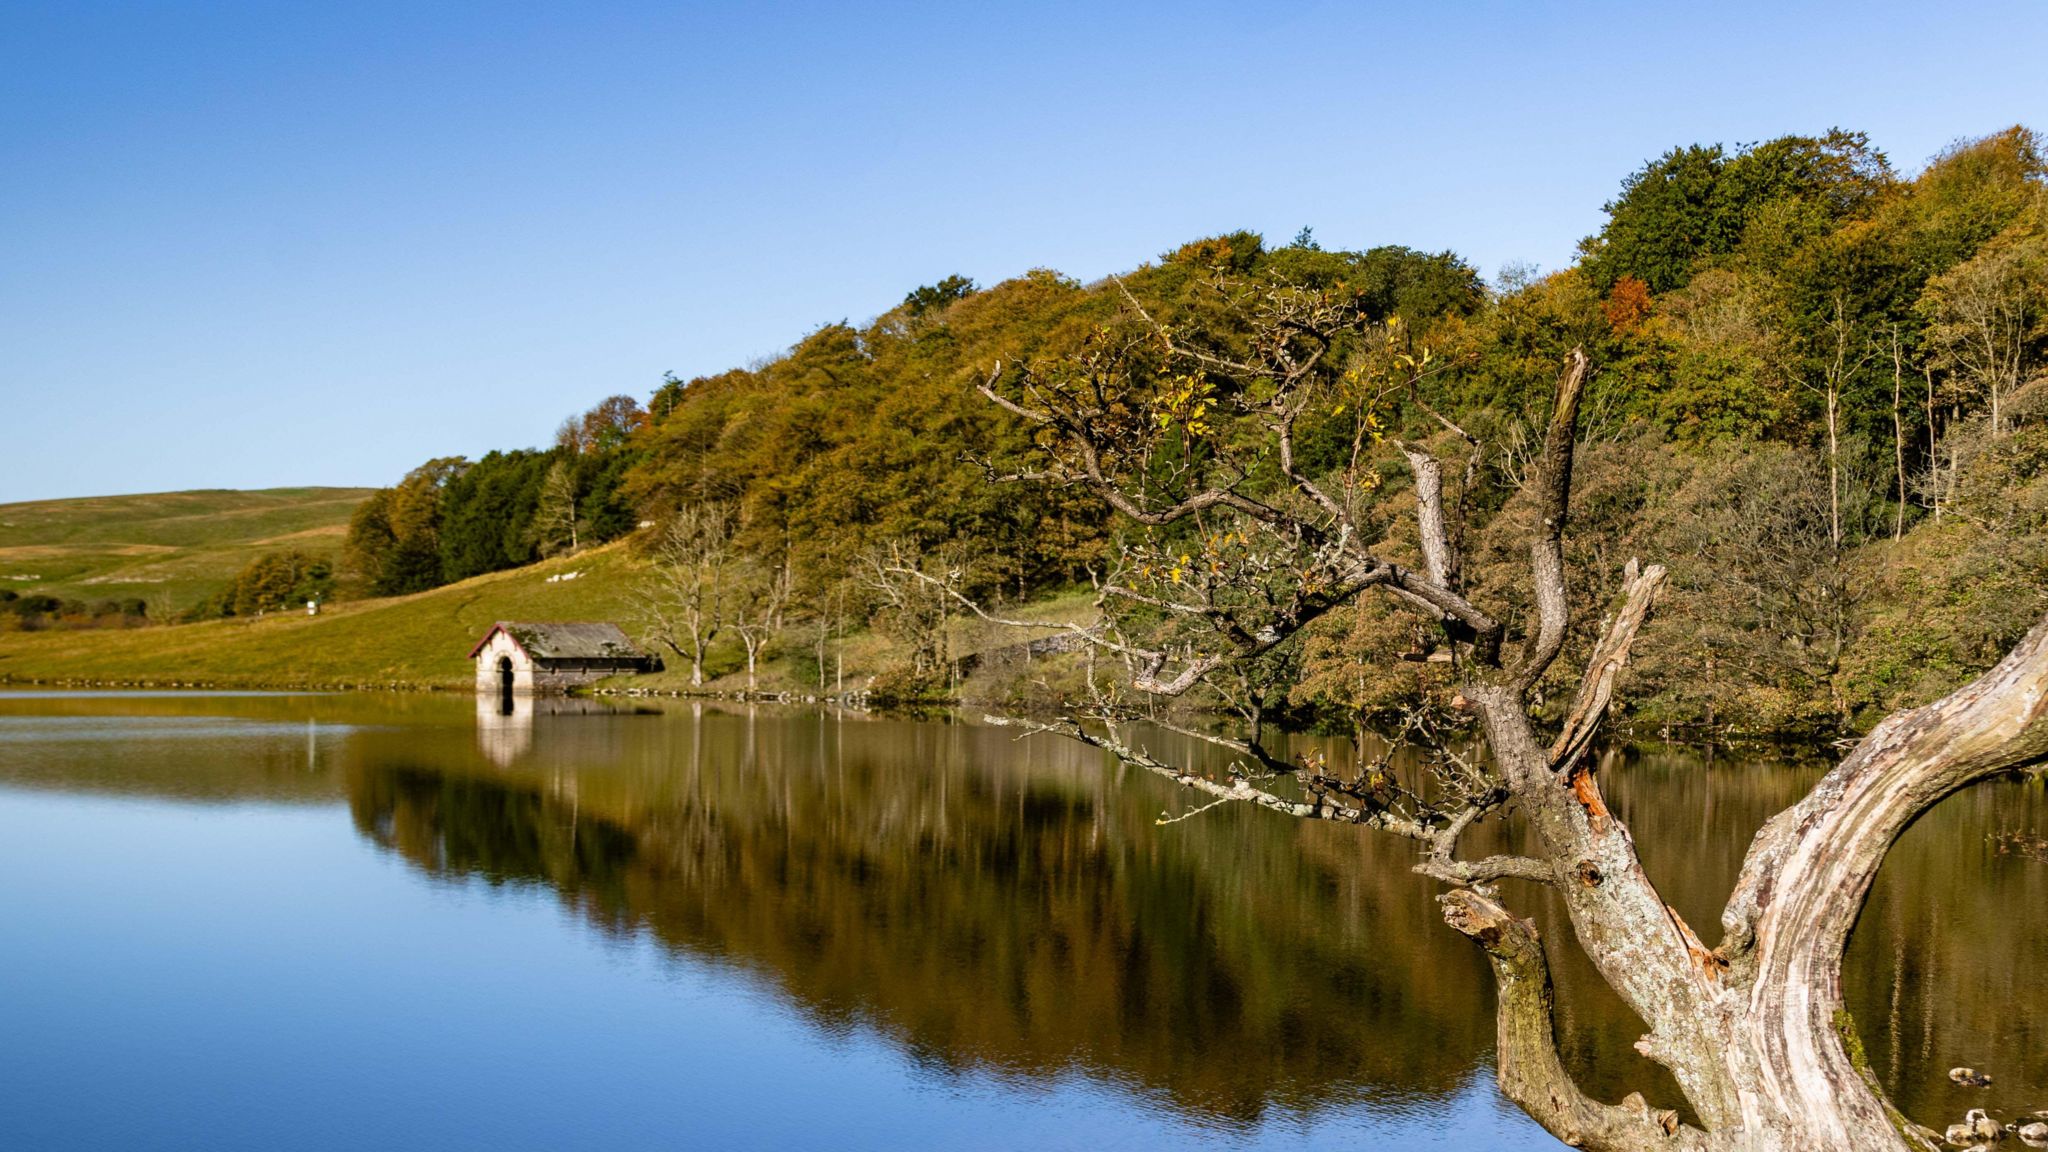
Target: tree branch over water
[(1238, 547)]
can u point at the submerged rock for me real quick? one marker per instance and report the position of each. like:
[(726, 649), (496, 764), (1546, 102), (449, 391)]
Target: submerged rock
[(1977, 1126)]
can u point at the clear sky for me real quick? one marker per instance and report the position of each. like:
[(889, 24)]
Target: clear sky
[(258, 245)]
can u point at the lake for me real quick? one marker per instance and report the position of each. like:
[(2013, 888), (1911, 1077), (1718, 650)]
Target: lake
[(347, 921)]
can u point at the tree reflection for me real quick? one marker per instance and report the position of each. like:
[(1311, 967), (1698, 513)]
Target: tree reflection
[(983, 902)]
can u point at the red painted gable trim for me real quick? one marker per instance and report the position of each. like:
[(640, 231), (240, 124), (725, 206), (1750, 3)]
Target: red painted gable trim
[(495, 629)]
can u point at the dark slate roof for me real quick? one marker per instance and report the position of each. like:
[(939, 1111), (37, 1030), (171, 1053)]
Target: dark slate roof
[(566, 640)]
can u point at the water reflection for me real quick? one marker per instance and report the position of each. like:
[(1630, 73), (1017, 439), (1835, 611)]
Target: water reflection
[(504, 721), (989, 903), (1011, 907)]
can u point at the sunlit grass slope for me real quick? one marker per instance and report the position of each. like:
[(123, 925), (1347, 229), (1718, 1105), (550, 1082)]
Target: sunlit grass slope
[(423, 640), (410, 641), (183, 546)]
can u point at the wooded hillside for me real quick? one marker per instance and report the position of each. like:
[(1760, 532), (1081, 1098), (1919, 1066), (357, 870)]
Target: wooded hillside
[(1815, 395)]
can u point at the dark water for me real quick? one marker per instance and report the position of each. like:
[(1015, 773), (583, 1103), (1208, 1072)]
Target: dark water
[(243, 922)]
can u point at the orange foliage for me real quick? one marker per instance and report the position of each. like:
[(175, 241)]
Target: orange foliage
[(1627, 305)]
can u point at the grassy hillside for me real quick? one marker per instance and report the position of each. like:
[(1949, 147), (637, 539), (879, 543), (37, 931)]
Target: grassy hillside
[(178, 547), (421, 640), (418, 641)]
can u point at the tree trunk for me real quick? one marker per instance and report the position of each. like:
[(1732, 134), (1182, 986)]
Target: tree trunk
[(1834, 469), (1807, 874), (1933, 447), (1898, 437), (1754, 1031)]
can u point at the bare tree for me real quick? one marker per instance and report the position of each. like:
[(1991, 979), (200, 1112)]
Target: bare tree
[(1985, 317), (1250, 549), (759, 600), (554, 520), (683, 596), (914, 595), (1846, 359)]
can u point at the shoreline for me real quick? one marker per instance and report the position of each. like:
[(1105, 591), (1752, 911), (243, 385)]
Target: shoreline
[(1728, 739)]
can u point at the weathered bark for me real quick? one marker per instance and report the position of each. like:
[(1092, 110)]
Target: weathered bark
[(1641, 947), (1804, 883), (1546, 549), (1526, 1060)]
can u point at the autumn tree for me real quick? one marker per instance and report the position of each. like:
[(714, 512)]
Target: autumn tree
[(1987, 318), (280, 580), (394, 538)]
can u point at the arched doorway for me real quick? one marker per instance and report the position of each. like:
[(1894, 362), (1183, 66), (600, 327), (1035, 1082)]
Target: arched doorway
[(504, 685)]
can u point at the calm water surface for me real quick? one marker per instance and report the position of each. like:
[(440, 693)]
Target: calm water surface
[(258, 922)]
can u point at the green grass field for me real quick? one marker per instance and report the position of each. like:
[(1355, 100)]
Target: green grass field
[(172, 549), (418, 641), (423, 640)]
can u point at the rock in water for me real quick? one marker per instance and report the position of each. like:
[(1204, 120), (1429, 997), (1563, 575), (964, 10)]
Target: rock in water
[(1969, 1077)]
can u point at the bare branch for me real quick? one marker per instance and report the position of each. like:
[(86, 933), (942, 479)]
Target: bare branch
[(1610, 656), (1251, 748), (1527, 1063), (1487, 870), (1437, 556), (1236, 788), (1553, 496)]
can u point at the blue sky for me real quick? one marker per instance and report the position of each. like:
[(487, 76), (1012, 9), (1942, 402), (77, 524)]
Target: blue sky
[(257, 245)]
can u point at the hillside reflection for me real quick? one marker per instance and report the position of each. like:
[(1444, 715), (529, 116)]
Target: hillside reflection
[(987, 903), (1011, 906)]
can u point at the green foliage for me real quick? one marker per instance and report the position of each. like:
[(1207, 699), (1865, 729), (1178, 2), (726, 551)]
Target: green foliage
[(1390, 280), (449, 519), (487, 514), (1699, 202), (276, 582), (1234, 252), (932, 297)]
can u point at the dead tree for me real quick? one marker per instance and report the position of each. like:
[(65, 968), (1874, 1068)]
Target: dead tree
[(555, 522), (1250, 549), (914, 597), (759, 601), (683, 596)]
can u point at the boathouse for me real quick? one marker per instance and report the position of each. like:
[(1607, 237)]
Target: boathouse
[(536, 658)]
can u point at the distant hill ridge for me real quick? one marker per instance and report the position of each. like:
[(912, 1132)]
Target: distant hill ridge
[(174, 547)]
